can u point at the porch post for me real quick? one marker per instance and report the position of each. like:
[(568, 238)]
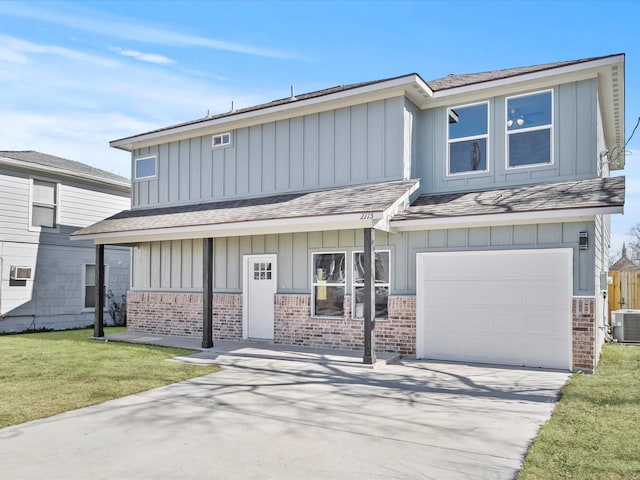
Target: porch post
[(207, 293), (98, 324), (369, 297)]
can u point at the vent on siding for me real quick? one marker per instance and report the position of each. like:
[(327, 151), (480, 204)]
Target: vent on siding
[(20, 273), (626, 325)]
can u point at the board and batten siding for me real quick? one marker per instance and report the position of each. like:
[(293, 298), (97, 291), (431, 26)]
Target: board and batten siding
[(575, 132), (359, 144), (177, 265)]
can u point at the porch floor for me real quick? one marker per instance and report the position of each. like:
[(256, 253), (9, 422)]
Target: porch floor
[(224, 350)]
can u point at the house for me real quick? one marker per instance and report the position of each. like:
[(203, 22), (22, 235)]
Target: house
[(47, 281), (464, 218)]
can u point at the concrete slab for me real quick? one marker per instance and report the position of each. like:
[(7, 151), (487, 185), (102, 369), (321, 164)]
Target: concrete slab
[(275, 418)]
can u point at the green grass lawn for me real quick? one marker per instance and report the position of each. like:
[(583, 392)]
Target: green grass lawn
[(594, 432), (42, 374)]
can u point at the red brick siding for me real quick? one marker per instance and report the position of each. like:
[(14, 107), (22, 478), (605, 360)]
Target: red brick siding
[(584, 333)]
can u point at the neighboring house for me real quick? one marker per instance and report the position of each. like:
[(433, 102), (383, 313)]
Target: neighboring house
[(488, 195), (47, 281)]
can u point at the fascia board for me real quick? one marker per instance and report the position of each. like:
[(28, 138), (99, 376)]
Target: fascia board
[(53, 171), (259, 227), (542, 79), (400, 204), (377, 91), (500, 219)]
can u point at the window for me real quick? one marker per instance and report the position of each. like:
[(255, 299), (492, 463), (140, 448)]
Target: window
[(382, 284), (44, 204), (262, 271), (90, 285), (145, 167), (467, 134), (221, 140), (328, 284), (529, 122)]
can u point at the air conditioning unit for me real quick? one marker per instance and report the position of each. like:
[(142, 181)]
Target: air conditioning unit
[(626, 325), (20, 273)]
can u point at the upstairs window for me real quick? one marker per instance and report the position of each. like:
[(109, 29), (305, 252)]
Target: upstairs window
[(221, 140), (44, 204), (467, 134), (529, 129), (145, 167)]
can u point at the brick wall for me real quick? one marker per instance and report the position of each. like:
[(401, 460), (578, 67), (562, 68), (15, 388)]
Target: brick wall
[(164, 313), (294, 326), (584, 333)]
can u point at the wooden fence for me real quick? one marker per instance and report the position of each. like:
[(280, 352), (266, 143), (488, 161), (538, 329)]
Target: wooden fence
[(624, 292)]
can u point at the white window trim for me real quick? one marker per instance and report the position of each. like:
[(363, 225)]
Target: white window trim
[(84, 284), (466, 139), (353, 284), (550, 127), (222, 144), (155, 167), (315, 284), (57, 205)]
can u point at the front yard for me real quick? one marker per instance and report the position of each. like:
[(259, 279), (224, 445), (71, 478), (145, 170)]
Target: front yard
[(594, 432), (42, 374)]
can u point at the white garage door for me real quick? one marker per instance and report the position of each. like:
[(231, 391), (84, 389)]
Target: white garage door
[(509, 307)]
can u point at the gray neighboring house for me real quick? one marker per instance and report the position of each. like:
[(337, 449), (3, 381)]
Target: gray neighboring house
[(486, 199), (47, 281)]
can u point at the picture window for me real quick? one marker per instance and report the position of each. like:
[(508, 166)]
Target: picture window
[(145, 167)]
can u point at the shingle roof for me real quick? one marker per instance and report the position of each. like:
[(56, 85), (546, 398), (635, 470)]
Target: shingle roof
[(338, 201), (445, 83), (624, 264), (592, 193), (70, 166)]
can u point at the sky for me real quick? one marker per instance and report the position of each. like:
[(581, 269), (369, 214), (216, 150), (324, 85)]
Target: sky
[(76, 75)]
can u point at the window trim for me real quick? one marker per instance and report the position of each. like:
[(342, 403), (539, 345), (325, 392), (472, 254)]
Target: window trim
[(550, 127), (32, 228), (155, 167), (83, 291), (353, 284), (466, 139), (222, 142), (315, 284)]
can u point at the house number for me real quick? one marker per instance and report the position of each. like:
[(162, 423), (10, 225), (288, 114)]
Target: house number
[(366, 216)]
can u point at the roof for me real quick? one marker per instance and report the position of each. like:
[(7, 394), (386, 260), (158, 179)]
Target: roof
[(414, 87), (582, 194), (53, 164), (624, 264), (356, 206)]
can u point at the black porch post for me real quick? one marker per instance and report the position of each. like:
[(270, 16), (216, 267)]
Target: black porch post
[(369, 297), (98, 324), (207, 293)]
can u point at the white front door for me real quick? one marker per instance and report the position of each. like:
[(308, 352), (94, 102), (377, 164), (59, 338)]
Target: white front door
[(260, 287), (510, 307)]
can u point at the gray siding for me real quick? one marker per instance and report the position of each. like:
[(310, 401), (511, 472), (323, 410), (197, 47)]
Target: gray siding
[(294, 254), (574, 151), (356, 144)]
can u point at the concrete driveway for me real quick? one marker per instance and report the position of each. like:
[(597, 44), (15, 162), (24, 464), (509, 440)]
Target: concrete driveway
[(280, 417)]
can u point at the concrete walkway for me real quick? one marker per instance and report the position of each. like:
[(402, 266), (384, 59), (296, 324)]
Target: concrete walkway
[(287, 415)]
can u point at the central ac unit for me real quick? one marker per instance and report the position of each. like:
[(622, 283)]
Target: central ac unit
[(626, 325)]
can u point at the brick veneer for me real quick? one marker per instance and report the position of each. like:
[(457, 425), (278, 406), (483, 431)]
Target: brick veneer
[(584, 333), (294, 326), (171, 313)]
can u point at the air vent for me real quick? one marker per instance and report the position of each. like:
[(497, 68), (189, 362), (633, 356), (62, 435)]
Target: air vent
[(20, 273), (626, 325)]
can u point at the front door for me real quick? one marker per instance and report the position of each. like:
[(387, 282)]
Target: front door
[(260, 275)]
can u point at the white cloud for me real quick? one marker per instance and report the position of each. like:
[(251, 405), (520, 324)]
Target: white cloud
[(144, 57), (123, 28)]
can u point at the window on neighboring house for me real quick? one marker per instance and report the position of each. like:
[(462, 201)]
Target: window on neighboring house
[(145, 167), (467, 135), (328, 282), (221, 140), (44, 204), (383, 283), (529, 129), (90, 285)]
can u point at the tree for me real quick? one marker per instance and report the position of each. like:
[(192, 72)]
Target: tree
[(633, 248)]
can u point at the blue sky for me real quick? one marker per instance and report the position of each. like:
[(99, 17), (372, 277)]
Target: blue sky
[(75, 75)]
